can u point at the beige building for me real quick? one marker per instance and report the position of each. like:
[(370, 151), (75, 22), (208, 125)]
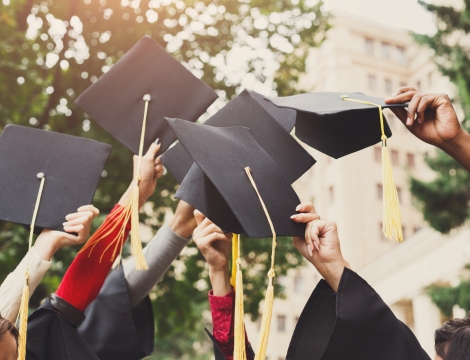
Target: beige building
[(360, 55)]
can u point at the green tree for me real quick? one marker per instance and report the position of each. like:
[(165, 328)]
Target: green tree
[(444, 201), (52, 50)]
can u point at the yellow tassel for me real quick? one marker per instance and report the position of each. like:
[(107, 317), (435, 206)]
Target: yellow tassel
[(23, 320), (235, 246), (391, 203), (266, 320), (136, 244), (239, 328)]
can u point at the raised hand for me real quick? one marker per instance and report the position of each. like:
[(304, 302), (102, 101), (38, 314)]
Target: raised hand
[(49, 241), (215, 246), (321, 245)]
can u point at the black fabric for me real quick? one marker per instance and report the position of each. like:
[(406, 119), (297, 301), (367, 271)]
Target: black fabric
[(112, 329), (67, 311), (51, 337), (72, 167), (115, 101), (250, 110), (222, 154), (219, 355), (365, 327), (334, 126)]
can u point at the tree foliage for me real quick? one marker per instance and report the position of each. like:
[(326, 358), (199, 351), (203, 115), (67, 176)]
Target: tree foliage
[(445, 201), (52, 50)]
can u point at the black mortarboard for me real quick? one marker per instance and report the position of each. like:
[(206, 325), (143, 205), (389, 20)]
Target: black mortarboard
[(353, 323), (219, 187), (71, 166), (250, 110), (336, 127), (116, 102)]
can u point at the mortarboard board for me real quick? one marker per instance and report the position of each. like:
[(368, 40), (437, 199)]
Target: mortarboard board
[(71, 167), (131, 100), (44, 176), (218, 186), (115, 101), (251, 111), (236, 182), (333, 126), (339, 124)]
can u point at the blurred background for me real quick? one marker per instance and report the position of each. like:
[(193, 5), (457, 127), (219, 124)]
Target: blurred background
[(52, 50)]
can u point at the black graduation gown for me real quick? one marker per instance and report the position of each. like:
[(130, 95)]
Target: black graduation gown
[(111, 330), (353, 323)]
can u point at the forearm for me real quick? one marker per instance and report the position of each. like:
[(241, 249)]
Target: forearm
[(159, 253), (459, 149), (332, 272), (220, 281), (12, 287)]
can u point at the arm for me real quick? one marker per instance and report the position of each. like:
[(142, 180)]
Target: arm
[(160, 252), (46, 245), (216, 247), (86, 275), (431, 118)]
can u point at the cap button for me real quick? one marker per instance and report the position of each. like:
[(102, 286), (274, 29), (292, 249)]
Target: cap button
[(40, 175), (147, 97)]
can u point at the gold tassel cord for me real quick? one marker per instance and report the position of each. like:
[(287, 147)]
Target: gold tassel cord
[(391, 203), (130, 212), (23, 312), (235, 254), (239, 327), (269, 298)]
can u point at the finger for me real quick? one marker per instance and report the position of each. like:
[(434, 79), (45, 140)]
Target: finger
[(78, 221), (306, 208), (87, 214), (400, 98), (91, 208), (304, 217), (209, 229), (153, 150), (412, 107), (199, 217), (74, 228), (424, 104), (210, 239), (405, 89)]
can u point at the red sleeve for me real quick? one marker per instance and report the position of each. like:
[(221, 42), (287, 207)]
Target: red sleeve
[(86, 275), (222, 310)]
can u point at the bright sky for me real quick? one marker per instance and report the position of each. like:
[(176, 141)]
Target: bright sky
[(407, 14)]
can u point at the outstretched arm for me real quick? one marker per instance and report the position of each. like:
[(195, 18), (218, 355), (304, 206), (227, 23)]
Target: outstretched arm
[(40, 255), (432, 118)]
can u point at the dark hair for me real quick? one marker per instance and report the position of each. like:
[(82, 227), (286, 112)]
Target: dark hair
[(452, 340), (7, 326)]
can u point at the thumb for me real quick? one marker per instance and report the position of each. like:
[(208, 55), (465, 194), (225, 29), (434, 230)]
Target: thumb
[(153, 150), (199, 217)]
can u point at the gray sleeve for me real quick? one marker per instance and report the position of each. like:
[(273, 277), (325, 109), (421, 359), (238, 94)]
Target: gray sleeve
[(159, 253)]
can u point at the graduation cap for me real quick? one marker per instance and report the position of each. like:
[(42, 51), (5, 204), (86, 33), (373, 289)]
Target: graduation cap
[(131, 100), (44, 176), (236, 182), (339, 124), (268, 125)]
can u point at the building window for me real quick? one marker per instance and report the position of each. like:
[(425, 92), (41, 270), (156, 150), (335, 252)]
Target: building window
[(388, 86), (399, 194), (418, 85), (380, 191), (401, 55), (378, 154), (298, 285), (331, 190), (386, 50), (381, 234), (410, 160), (369, 46), (403, 231), (281, 323), (403, 84), (395, 157), (416, 229), (296, 320), (372, 82), (430, 79)]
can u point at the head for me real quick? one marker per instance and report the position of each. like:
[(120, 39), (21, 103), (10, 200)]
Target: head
[(8, 340), (452, 340)]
